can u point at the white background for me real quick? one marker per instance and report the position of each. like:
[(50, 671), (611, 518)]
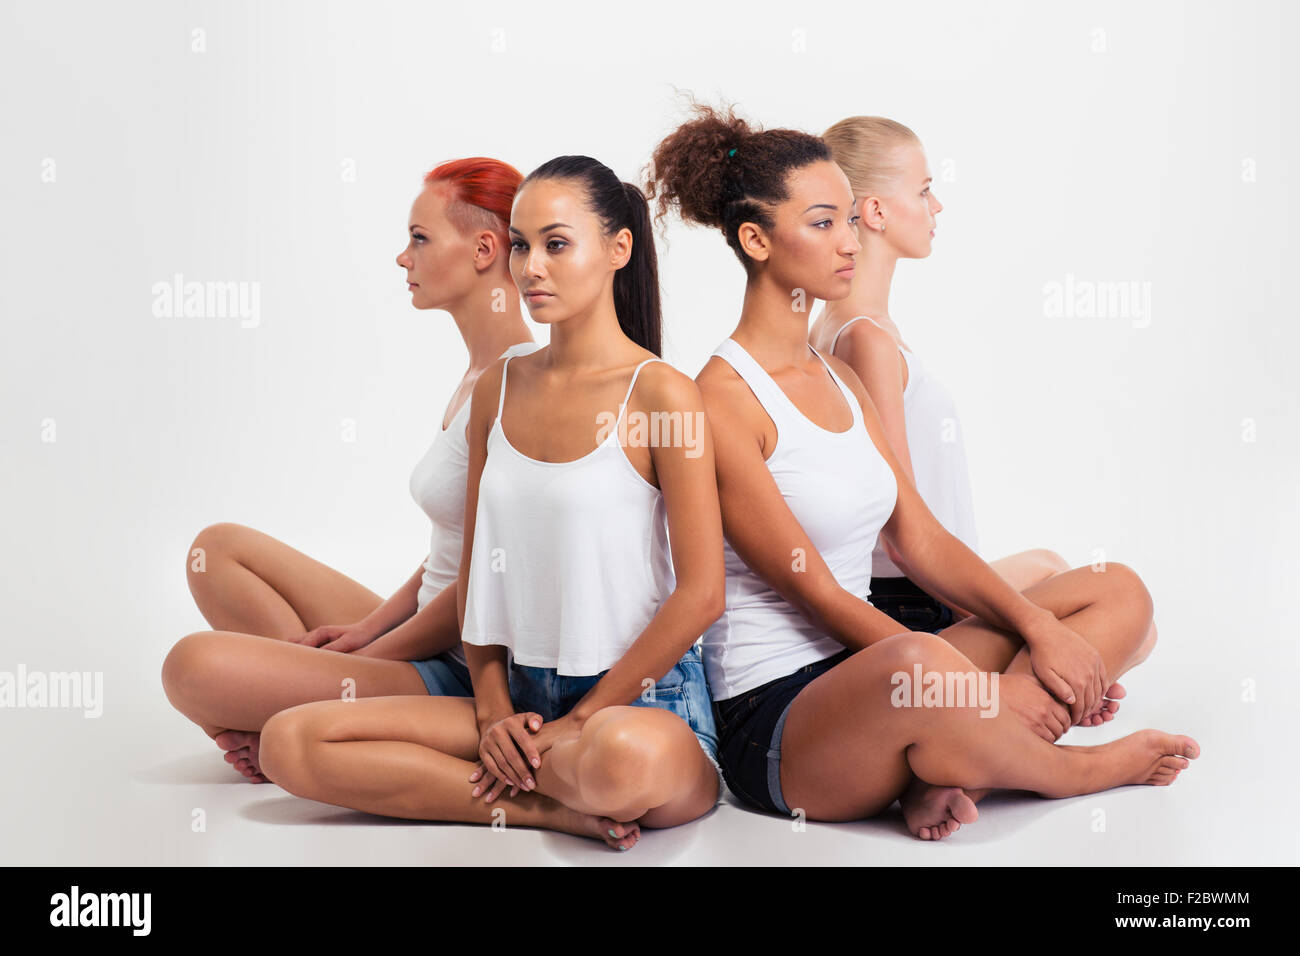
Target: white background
[(1112, 143)]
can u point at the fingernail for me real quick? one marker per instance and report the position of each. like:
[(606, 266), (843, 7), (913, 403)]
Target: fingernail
[(476, 790), (613, 834), (537, 762), (530, 783)]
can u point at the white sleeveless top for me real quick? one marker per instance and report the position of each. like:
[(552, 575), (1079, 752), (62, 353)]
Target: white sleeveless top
[(438, 487), (841, 491), (570, 560), (934, 440)]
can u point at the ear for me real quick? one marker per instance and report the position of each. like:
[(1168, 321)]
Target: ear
[(754, 241), (872, 213), (487, 247), (620, 248)]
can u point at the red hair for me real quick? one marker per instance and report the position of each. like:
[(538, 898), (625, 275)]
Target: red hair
[(479, 193)]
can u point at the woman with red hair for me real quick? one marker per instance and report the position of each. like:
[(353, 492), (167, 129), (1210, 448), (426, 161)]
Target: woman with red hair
[(288, 629)]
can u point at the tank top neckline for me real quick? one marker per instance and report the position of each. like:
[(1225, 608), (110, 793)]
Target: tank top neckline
[(791, 406), (612, 437)]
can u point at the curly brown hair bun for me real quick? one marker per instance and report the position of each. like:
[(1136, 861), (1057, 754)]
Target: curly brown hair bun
[(720, 171)]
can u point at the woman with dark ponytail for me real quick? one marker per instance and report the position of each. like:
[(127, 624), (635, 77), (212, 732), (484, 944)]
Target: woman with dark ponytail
[(823, 708), (590, 712)]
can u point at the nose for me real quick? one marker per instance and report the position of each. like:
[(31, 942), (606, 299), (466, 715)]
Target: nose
[(530, 264), (852, 244), (403, 259)]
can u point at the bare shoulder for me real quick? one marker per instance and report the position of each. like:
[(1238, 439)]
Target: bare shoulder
[(662, 386), (867, 338)]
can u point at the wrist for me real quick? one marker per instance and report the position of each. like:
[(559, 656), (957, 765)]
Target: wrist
[(1036, 625)]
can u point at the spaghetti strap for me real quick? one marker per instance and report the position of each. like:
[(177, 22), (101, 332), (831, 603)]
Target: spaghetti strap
[(501, 402), (632, 384), (835, 341)]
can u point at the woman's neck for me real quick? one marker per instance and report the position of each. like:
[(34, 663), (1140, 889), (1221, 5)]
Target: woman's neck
[(869, 291), (771, 329), (487, 332)]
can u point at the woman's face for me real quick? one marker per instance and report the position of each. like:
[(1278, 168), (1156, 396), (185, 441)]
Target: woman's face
[(560, 258), (909, 210), (438, 260), (814, 242)]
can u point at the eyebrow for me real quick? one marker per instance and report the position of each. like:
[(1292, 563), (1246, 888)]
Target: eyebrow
[(554, 225), (927, 179), (414, 226), (821, 205)]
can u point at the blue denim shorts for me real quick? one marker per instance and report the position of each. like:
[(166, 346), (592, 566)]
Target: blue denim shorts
[(444, 676), (910, 606), (683, 691)]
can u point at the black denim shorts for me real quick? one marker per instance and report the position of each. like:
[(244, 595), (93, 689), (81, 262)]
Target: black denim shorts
[(909, 605), (749, 735)]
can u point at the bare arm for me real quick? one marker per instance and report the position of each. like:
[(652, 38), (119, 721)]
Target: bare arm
[(759, 524), (873, 354), (428, 632), (487, 663)]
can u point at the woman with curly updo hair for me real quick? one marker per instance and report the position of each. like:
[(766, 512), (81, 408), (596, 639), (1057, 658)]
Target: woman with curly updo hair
[(823, 708)]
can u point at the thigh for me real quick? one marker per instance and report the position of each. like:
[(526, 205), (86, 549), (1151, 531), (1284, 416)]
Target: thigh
[(317, 593), (445, 724), (1070, 594), (237, 681), (843, 749)]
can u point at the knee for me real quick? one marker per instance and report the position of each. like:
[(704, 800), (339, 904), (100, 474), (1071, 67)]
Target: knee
[(1128, 588), (617, 763), (215, 539), (903, 651), (282, 749), (1050, 561), (188, 666)]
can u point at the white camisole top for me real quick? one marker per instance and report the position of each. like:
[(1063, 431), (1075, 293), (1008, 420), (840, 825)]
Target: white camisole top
[(438, 487), (842, 492), (934, 441), (570, 560)]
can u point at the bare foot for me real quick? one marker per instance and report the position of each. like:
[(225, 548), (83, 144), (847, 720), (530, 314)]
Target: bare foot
[(620, 836), (241, 749), (1107, 709), (933, 813), (1150, 757)]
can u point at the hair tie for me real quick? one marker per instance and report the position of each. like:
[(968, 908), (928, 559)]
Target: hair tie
[(731, 152)]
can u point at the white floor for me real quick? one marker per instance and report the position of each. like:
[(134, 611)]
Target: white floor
[(124, 789)]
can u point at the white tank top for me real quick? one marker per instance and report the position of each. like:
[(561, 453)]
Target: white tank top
[(570, 560), (841, 491), (934, 441), (438, 487)]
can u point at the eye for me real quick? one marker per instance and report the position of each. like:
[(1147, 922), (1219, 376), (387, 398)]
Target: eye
[(853, 220), (925, 191), (550, 245), (516, 245), (823, 223), (416, 237)]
